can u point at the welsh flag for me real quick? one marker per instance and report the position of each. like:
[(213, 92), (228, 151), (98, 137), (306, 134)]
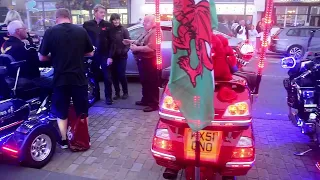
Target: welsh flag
[(191, 80)]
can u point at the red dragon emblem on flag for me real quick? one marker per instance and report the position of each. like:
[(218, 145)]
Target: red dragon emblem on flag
[(194, 18)]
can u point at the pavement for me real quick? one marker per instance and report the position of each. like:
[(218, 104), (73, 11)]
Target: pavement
[(121, 140)]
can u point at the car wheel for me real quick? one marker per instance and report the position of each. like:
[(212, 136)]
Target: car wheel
[(296, 51), (39, 148)]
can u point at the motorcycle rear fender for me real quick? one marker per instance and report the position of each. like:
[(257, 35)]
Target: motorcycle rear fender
[(18, 140)]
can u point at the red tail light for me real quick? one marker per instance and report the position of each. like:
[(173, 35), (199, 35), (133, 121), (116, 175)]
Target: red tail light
[(10, 150), (243, 153), (275, 37), (244, 149)]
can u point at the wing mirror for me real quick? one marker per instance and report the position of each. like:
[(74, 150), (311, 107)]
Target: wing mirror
[(288, 62)]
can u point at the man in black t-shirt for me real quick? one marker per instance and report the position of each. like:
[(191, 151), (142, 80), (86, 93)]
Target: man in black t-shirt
[(66, 45)]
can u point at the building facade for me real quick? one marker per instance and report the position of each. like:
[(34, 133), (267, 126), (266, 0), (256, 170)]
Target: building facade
[(228, 10), (39, 14), (297, 12)]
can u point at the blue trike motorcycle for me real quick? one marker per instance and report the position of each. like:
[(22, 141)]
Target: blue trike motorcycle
[(28, 134)]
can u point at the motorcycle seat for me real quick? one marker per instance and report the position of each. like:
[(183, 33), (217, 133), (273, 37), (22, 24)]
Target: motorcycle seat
[(250, 76), (23, 84), (3, 70)]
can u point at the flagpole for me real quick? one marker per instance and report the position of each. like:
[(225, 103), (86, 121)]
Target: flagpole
[(197, 156)]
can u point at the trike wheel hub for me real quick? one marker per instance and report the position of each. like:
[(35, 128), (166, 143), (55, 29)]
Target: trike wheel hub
[(41, 147)]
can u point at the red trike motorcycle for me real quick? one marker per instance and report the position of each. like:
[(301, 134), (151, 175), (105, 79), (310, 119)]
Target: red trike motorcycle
[(227, 145)]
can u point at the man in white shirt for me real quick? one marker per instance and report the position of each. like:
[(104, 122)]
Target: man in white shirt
[(241, 30)]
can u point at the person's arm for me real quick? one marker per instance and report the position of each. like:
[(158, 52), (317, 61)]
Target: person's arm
[(126, 36), (88, 46), (151, 46), (45, 49)]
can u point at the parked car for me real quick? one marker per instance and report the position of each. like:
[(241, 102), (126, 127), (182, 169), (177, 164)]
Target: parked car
[(293, 41), (166, 46)]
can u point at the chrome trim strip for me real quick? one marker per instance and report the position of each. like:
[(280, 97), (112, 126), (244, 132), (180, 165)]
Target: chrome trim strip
[(213, 123), (230, 164), (10, 125), (173, 158)]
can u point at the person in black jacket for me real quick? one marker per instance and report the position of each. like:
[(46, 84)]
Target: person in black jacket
[(119, 56), (98, 31), (19, 50), (4, 35)]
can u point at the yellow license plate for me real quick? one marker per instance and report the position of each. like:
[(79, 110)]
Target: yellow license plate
[(210, 143)]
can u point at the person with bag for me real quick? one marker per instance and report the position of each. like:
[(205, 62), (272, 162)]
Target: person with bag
[(119, 56), (66, 45)]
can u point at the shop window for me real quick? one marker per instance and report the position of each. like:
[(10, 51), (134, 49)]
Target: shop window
[(315, 10), (122, 12)]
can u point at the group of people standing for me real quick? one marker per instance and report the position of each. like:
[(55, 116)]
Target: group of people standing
[(65, 46), (112, 44), (110, 55), (249, 32)]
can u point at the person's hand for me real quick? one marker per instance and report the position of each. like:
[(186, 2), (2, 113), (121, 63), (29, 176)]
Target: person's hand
[(126, 41), (133, 47), (109, 61)]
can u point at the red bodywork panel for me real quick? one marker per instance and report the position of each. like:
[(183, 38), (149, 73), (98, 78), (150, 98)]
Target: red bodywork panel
[(225, 142)]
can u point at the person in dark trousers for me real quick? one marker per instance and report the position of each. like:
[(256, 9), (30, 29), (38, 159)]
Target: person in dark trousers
[(66, 45), (119, 56), (98, 30), (144, 50)]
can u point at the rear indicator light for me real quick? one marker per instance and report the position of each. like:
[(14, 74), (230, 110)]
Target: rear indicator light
[(169, 104), (238, 109), (243, 153), (163, 134), (245, 142)]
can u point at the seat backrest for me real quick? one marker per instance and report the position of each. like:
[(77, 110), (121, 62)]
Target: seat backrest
[(3, 70)]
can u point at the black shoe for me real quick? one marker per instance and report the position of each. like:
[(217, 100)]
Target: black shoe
[(125, 96), (64, 144), (109, 101), (140, 103), (150, 109), (116, 97)]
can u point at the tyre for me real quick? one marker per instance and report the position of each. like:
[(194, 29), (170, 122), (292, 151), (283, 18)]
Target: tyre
[(39, 148), (296, 51)]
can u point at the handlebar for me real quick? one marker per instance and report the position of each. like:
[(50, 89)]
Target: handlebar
[(305, 74), (18, 62)]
